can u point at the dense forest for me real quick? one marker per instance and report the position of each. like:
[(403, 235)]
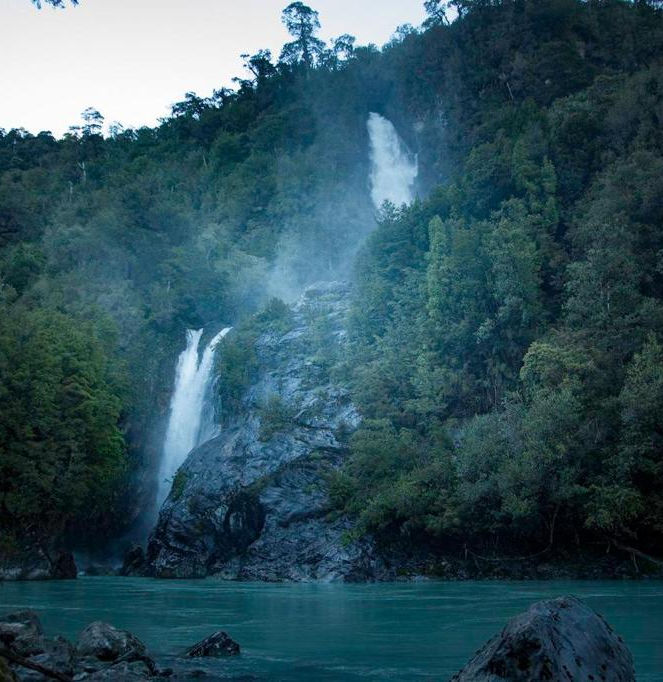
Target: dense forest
[(506, 329)]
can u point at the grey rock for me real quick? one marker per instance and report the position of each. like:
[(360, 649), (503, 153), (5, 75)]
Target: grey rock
[(20, 630), (31, 563), (25, 565), (254, 503), (102, 652), (53, 653), (106, 643), (134, 563), (121, 672), (64, 566), (218, 644), (559, 639)]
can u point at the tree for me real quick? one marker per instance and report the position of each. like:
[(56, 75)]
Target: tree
[(436, 11), (61, 450), (302, 23), (53, 3), (260, 65), (344, 46), (92, 122)]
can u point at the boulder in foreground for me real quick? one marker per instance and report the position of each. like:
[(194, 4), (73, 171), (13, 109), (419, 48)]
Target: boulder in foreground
[(558, 639), (107, 643), (217, 644)]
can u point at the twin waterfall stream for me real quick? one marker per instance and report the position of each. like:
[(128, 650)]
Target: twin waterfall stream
[(191, 420), (393, 172)]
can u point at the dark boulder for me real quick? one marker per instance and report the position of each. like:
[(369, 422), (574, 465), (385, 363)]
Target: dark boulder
[(6, 673), (135, 562), (20, 629), (63, 566), (21, 634), (218, 644), (34, 563), (558, 640), (126, 672), (103, 653), (106, 643), (56, 654)]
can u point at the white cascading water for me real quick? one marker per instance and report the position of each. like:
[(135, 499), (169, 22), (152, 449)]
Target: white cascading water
[(393, 168), (186, 423)]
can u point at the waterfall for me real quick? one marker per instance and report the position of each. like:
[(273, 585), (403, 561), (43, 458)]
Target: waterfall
[(191, 419), (393, 167)]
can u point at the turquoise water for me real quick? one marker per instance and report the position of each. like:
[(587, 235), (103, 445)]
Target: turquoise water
[(402, 631)]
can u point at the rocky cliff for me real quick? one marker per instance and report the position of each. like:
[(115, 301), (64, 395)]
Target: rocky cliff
[(252, 503)]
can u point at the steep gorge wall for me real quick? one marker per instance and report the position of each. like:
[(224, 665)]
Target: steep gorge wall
[(253, 503)]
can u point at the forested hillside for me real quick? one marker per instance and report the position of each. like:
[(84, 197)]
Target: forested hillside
[(509, 326), (506, 329)]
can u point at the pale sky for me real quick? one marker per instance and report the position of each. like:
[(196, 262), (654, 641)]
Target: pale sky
[(131, 59)]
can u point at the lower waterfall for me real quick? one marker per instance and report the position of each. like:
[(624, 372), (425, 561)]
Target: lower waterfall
[(190, 422)]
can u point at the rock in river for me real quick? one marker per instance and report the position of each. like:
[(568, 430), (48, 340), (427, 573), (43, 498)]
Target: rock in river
[(107, 643), (560, 640), (218, 644)]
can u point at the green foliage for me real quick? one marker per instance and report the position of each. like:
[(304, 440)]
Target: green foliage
[(179, 483), (505, 333), (197, 222), (275, 416), (518, 309), (62, 455), (302, 24), (275, 316), (236, 364)]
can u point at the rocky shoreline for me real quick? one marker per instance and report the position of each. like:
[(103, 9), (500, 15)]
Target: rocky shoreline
[(37, 564), (100, 653), (397, 566)]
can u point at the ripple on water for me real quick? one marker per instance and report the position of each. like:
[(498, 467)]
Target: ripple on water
[(292, 633)]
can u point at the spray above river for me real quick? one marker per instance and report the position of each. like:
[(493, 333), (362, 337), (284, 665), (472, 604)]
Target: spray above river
[(187, 426), (191, 421), (393, 168)]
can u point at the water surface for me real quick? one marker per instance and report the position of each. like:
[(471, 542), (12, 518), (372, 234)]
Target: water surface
[(401, 631)]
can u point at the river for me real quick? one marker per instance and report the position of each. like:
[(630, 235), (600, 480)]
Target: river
[(333, 632)]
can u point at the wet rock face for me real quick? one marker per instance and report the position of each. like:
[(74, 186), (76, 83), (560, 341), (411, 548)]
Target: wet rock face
[(64, 567), (107, 643), (134, 562), (219, 644), (22, 634), (31, 563), (101, 653), (254, 502), (559, 639), (20, 629)]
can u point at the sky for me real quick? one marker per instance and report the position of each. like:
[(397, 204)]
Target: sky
[(132, 59)]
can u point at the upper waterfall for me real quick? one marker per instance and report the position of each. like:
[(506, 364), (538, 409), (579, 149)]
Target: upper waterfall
[(185, 424), (393, 167)]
